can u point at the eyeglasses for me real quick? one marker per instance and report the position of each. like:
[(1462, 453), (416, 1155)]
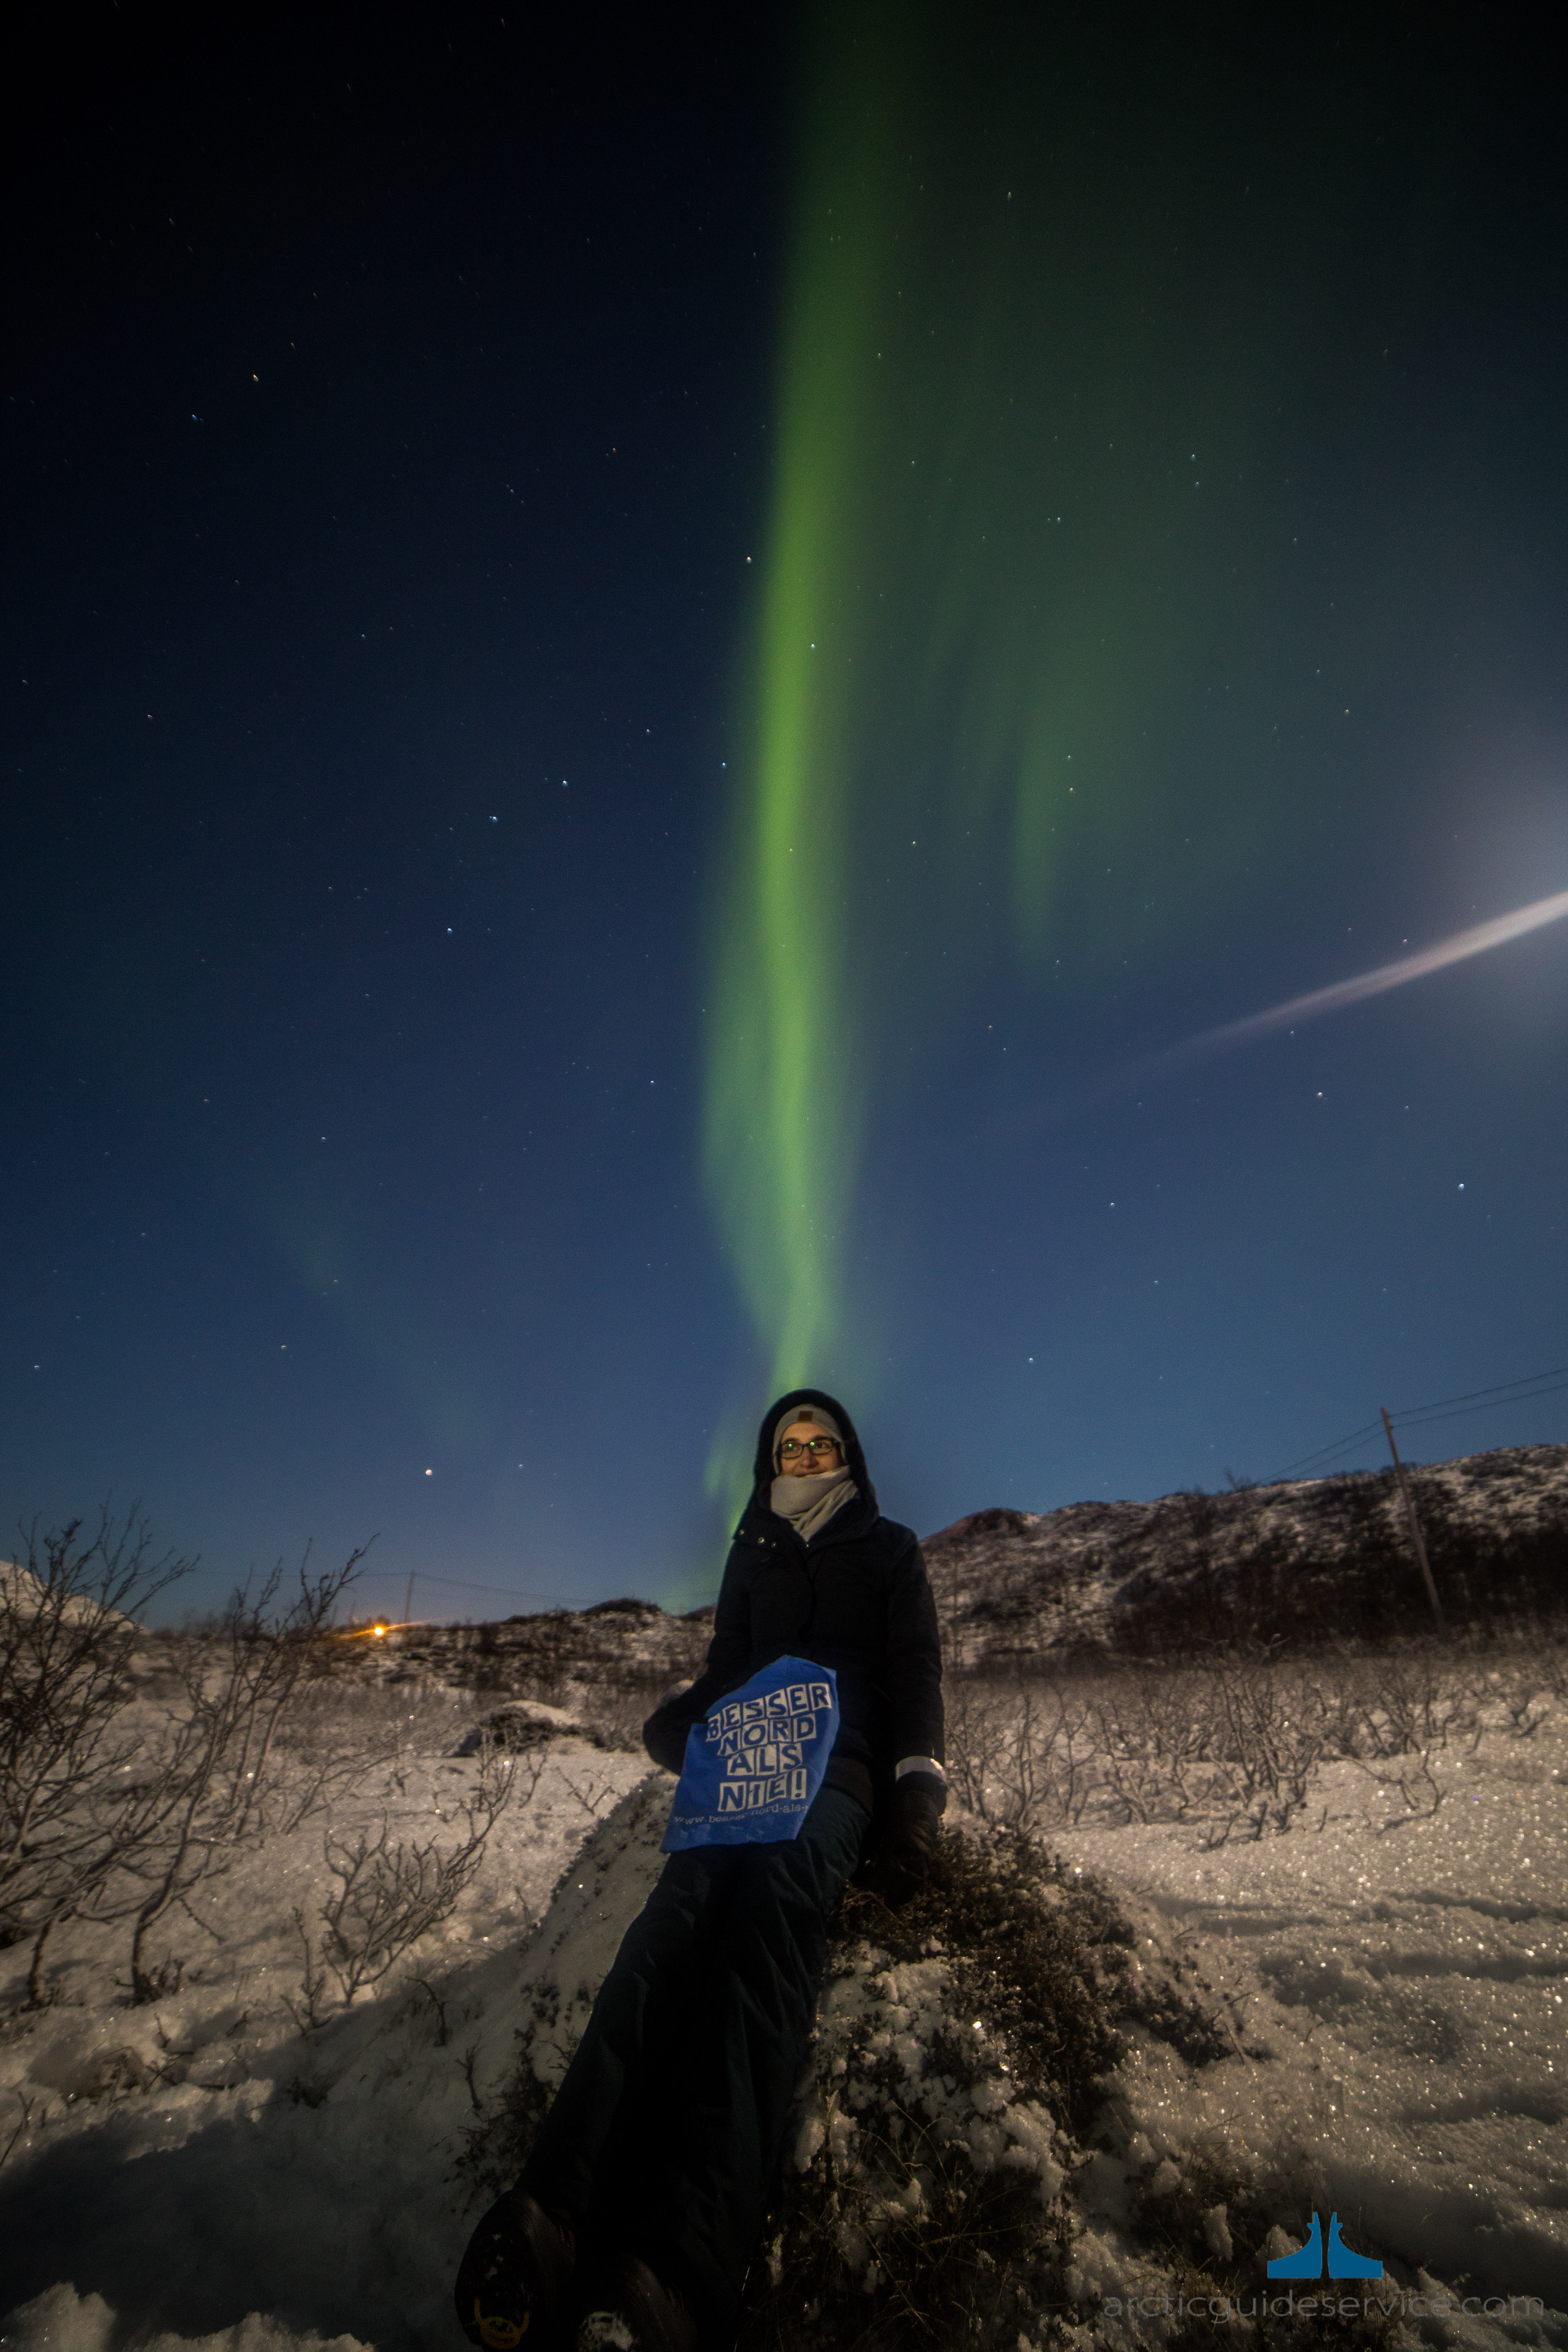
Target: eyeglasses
[(813, 1446)]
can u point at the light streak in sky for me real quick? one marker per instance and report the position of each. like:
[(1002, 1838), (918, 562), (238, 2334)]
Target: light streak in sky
[(1382, 976)]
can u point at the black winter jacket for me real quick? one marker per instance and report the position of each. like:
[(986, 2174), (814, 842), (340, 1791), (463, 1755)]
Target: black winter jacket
[(856, 1598)]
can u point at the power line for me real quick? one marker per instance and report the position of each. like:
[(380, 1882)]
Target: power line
[(465, 1584), (1454, 1407), (1422, 1417), (1324, 1452), (1504, 1392), (1414, 1418), (1557, 1372), (1460, 1412)]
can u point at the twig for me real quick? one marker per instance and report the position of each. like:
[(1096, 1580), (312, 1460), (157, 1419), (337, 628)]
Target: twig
[(197, 1919), (27, 2108), (443, 2030)]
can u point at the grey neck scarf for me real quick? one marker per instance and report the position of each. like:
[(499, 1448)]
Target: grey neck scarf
[(809, 1503)]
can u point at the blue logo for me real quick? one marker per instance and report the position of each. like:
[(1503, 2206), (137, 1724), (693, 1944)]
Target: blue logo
[(1308, 2260)]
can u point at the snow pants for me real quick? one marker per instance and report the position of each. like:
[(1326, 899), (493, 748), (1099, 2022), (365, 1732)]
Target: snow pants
[(665, 2135)]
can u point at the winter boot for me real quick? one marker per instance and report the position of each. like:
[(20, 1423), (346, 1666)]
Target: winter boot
[(633, 2311), (515, 2275)]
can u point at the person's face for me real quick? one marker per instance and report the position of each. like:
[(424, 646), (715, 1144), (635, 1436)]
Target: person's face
[(805, 1450)]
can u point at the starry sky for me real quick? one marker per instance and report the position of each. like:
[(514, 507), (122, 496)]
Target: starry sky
[(655, 665)]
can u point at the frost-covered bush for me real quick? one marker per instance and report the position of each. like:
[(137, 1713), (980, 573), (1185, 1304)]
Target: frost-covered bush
[(388, 1890), (68, 1757), (958, 2051), (122, 1791), (1234, 1745)]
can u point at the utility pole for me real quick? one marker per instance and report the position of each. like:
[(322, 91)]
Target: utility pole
[(408, 1603), (1416, 1539)]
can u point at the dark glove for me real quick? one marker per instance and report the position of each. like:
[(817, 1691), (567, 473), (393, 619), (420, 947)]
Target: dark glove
[(908, 1839), (664, 1733)]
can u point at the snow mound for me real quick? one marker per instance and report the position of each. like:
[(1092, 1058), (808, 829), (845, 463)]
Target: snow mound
[(23, 1595), (956, 2054), (564, 1965), (201, 2172), (62, 2321)]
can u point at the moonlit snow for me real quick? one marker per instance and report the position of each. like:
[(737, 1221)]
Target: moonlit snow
[(1395, 1988), (203, 2172)]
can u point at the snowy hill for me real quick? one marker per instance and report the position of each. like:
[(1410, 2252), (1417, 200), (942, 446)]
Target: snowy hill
[(1292, 1564), (1298, 1563), (1216, 1942), (624, 1650)]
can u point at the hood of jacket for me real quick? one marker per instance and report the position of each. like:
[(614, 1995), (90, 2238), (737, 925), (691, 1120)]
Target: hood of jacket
[(762, 1468)]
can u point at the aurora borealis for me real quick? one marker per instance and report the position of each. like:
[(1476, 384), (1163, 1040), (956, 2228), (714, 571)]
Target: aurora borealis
[(653, 679), (1045, 553)]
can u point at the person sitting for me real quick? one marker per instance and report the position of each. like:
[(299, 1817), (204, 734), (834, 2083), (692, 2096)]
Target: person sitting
[(638, 2209)]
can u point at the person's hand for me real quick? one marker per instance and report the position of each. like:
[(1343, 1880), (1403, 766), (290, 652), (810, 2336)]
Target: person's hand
[(664, 1733), (908, 1839)]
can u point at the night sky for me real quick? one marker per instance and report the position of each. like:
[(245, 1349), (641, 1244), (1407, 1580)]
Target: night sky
[(652, 664)]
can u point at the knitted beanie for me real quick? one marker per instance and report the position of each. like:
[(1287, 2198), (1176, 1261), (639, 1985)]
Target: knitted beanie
[(818, 1418)]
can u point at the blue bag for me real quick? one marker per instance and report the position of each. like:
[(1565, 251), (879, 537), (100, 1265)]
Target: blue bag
[(754, 1765)]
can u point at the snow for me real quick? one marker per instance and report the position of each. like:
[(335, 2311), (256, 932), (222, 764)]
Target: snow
[(60, 2320), (910, 2007), (22, 1593), (1394, 1983), (204, 2170), (205, 2174)]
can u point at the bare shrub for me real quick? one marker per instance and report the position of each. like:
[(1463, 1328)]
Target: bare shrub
[(389, 1891), (978, 1720), (595, 1793), (336, 1732), (1234, 1744), (615, 1709), (1521, 1688), (1413, 1777), (1414, 1699), (1020, 1754), (1550, 1662), (1136, 1744), (111, 1812), (1405, 1706), (1157, 1743), (377, 1717), (1526, 1714), (1268, 1740), (69, 1807), (213, 1772)]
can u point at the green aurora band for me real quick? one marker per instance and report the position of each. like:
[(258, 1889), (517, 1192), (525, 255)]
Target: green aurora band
[(1020, 692)]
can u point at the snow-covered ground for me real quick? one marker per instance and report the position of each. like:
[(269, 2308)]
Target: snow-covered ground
[(204, 2170), (1395, 1981), (181, 2167)]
